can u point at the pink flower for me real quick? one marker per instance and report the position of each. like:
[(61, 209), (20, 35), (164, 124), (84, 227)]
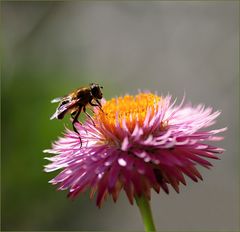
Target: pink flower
[(139, 143)]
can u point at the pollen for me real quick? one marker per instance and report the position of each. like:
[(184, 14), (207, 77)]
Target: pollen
[(128, 111)]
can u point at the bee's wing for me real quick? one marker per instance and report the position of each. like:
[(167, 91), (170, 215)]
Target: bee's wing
[(54, 115), (58, 99), (63, 108)]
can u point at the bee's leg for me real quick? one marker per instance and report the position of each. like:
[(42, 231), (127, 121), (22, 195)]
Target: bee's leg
[(89, 116), (75, 116), (98, 104)]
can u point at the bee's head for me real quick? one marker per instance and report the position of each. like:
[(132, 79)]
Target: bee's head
[(96, 90)]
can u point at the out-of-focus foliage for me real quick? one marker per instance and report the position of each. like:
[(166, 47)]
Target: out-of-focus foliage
[(50, 48), (28, 201)]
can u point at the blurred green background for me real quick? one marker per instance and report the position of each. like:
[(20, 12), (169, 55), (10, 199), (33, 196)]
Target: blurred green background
[(50, 48)]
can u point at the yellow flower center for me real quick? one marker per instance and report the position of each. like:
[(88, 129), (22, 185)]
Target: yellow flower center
[(131, 109)]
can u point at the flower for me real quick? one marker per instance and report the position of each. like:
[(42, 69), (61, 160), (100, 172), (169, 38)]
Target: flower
[(138, 143)]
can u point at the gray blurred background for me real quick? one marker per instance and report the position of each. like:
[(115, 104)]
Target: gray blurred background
[(50, 48)]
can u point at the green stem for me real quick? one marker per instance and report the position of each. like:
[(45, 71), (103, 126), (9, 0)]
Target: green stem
[(145, 210)]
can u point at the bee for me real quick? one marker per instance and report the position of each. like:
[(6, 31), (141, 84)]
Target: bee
[(76, 102)]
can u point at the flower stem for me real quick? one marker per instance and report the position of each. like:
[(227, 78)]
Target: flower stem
[(145, 210)]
